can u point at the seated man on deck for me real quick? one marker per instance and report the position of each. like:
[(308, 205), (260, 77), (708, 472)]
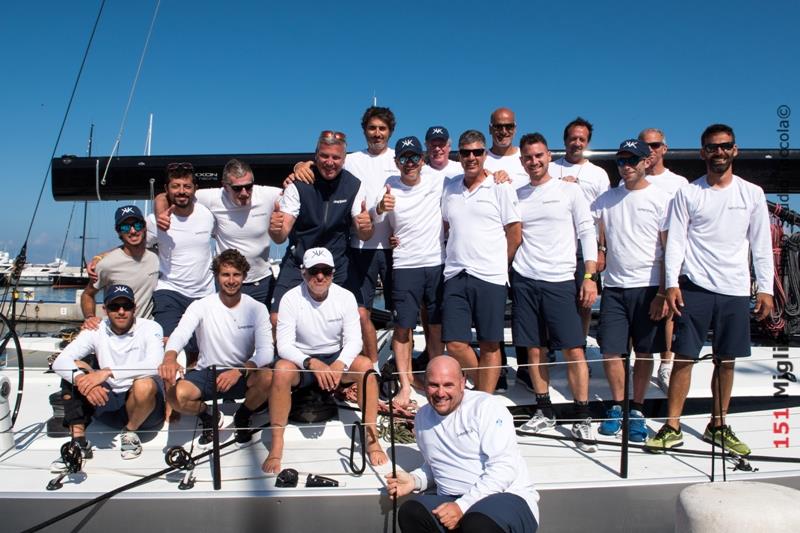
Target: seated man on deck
[(470, 453), (233, 333), (124, 391), (319, 332)]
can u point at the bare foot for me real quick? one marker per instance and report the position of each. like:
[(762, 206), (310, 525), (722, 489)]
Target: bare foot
[(272, 464), (402, 398), (376, 455)]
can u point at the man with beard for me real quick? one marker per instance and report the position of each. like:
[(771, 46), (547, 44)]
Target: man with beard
[(233, 334), (470, 453), (241, 212), (715, 224), (664, 178)]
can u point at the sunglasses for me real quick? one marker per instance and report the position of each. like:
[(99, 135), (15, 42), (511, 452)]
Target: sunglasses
[(403, 159), (325, 271), (477, 152), (632, 161), (116, 306), (180, 166), (125, 228), (331, 135), (655, 145), (239, 188), (710, 148), (507, 127)]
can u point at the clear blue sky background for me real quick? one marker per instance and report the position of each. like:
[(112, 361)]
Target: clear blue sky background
[(254, 77)]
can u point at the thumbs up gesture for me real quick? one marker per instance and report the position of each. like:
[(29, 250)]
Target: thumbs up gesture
[(364, 222), (387, 202), (163, 218), (276, 218)]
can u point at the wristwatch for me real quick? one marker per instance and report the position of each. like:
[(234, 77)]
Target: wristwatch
[(307, 363), (601, 248), (594, 277)]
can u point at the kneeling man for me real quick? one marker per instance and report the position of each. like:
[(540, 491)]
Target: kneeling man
[(124, 392), (469, 446), (233, 333), (319, 332)]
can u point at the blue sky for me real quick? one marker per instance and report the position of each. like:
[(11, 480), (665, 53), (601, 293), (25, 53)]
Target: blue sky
[(256, 77)]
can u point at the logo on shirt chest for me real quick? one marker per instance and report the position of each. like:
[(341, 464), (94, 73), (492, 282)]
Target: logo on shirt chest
[(245, 326), (342, 201)]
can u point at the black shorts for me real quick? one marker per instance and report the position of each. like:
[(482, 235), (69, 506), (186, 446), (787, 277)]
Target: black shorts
[(168, 309), (366, 266), (202, 379), (78, 410), (509, 511), (469, 300), (308, 379), (727, 316), (413, 287), (624, 317), (261, 290), (544, 313)]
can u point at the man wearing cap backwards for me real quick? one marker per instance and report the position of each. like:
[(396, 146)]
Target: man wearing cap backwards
[(132, 264), (632, 223), (715, 224), (660, 175), (554, 215), (241, 212), (319, 213), (483, 221), (124, 390), (233, 334), (318, 332), (411, 205), (470, 453), (575, 167)]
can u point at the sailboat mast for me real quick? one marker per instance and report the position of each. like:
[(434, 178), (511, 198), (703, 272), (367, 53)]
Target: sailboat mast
[(85, 205)]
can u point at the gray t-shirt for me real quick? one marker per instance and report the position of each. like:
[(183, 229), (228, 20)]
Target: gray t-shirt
[(141, 275)]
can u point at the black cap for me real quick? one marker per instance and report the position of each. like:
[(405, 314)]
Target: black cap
[(635, 147), (437, 132)]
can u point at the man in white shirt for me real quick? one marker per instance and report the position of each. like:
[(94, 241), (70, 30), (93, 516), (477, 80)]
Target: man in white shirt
[(233, 334), (123, 391), (412, 207), (482, 218), (575, 167), (241, 212), (184, 252), (632, 219), (544, 312), (503, 155), (470, 452), (658, 174), (319, 340), (437, 149), (715, 224)]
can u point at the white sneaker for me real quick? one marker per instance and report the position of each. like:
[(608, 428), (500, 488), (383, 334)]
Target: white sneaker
[(584, 436), (664, 373), (538, 423), (130, 447)]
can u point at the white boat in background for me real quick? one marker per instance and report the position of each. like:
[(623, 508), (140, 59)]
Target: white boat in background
[(42, 275)]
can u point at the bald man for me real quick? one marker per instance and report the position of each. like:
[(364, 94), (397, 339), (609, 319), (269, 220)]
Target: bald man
[(489, 490)]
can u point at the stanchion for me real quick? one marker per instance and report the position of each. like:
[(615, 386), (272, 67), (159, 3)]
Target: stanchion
[(217, 469), (623, 466), (392, 392)]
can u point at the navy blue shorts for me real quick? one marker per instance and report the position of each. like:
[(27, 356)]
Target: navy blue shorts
[(727, 316), (469, 300), (115, 415), (413, 287), (509, 511), (366, 266), (168, 308), (624, 317), (291, 276), (203, 381), (544, 313), (308, 379), (261, 290)]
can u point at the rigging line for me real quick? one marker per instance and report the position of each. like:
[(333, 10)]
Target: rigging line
[(66, 235), (64, 120), (132, 92)]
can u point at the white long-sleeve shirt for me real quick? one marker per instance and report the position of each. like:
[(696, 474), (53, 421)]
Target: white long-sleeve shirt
[(226, 337), (135, 354), (473, 452), (711, 231), (553, 215), (307, 327)]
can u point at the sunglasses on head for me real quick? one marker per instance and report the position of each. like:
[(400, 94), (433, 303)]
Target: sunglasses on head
[(126, 227), (632, 161), (180, 166), (414, 158), (477, 152), (655, 145), (331, 135), (325, 271), (507, 127), (116, 306), (710, 148), (239, 188)]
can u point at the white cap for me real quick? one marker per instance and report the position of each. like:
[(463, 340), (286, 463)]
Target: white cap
[(317, 256)]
